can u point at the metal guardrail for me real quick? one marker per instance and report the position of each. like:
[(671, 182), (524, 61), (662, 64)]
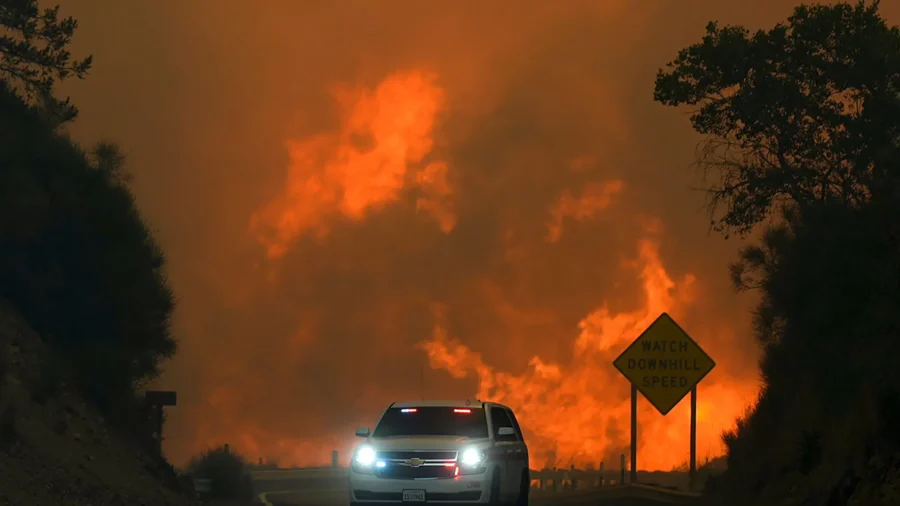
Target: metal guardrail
[(296, 474), (545, 480)]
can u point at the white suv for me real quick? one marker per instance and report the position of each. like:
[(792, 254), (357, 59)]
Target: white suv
[(442, 451)]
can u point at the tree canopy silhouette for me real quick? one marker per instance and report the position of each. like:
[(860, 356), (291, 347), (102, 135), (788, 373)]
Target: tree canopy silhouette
[(804, 112), (76, 257), (801, 124), (34, 55)]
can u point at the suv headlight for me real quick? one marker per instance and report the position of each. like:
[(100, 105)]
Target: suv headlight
[(365, 455), (472, 461), (363, 459), (471, 457)]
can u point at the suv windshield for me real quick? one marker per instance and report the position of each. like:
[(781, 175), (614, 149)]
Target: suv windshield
[(433, 421)]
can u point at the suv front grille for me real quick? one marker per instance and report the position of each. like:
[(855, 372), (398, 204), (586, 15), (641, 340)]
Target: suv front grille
[(406, 455), (394, 471), (416, 465)]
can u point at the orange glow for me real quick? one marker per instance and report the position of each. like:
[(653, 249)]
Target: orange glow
[(594, 198), (320, 173), (579, 413), (383, 137), (387, 152)]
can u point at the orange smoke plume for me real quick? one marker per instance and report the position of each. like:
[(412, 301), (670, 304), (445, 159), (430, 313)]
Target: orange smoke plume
[(380, 148), (594, 198), (579, 413)]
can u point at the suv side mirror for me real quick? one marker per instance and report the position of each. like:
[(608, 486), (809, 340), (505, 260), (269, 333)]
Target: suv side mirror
[(362, 432), (506, 431)]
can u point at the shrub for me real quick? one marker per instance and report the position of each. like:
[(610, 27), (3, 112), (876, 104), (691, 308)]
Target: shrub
[(827, 323), (228, 472)]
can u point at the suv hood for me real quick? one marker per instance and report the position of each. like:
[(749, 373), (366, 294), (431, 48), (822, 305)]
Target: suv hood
[(425, 443)]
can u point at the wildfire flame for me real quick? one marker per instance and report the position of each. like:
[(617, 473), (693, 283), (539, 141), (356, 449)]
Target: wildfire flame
[(579, 413)]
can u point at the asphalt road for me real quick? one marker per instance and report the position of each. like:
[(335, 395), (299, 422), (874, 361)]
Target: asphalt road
[(339, 498), (585, 501)]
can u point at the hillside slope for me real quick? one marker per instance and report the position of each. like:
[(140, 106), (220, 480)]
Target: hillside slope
[(57, 451)]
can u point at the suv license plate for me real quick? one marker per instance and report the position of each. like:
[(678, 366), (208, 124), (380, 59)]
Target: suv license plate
[(413, 496)]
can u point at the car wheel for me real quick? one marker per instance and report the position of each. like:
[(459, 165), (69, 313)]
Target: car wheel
[(524, 490), (494, 499)]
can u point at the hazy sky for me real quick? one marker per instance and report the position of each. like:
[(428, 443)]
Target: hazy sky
[(364, 201)]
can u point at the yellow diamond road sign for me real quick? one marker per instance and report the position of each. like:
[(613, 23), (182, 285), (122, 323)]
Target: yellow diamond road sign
[(664, 363)]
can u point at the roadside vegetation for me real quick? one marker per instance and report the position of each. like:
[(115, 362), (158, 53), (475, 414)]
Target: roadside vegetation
[(228, 472), (801, 125), (706, 468), (77, 260)]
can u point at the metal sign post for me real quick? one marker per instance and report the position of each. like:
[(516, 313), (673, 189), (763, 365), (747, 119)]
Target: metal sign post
[(634, 399), (155, 402), (664, 364), (693, 463)]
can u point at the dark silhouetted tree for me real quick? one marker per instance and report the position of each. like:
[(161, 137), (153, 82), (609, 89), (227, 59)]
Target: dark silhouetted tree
[(804, 112), (76, 257), (109, 159), (34, 55), (802, 124)]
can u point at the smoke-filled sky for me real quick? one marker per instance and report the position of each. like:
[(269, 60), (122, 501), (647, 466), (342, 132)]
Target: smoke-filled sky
[(366, 201)]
